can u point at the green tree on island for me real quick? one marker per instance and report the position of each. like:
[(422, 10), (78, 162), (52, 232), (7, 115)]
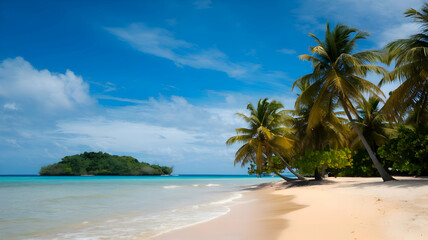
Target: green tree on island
[(99, 163), (338, 78), (265, 137)]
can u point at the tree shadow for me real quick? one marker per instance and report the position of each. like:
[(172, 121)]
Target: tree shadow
[(401, 183), (285, 184), (303, 183)]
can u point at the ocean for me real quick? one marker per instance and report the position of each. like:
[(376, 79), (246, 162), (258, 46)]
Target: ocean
[(113, 207)]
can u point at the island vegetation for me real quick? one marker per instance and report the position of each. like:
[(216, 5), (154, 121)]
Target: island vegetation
[(99, 163), (343, 124)]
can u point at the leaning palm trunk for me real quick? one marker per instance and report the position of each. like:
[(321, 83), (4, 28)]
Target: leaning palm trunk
[(323, 171), (385, 176), (300, 177), (284, 177)]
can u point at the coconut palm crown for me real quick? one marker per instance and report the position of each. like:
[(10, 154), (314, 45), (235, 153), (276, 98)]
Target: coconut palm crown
[(372, 124), (265, 136), (411, 70), (331, 131), (338, 78)]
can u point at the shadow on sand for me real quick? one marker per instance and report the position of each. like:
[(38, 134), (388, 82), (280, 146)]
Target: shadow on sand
[(285, 185), (403, 182)]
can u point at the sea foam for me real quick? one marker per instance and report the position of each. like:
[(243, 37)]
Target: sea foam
[(212, 185), (228, 200)]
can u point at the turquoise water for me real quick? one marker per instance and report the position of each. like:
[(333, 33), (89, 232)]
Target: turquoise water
[(113, 207)]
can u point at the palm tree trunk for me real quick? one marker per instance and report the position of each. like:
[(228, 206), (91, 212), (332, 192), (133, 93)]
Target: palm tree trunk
[(284, 177), (323, 171), (300, 177), (385, 176), (421, 111), (317, 175)]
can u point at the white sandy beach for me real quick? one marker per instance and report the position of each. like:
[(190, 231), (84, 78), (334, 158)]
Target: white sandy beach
[(337, 208)]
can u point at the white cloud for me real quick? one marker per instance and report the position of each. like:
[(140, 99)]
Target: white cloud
[(358, 12), (157, 41), (202, 4), (33, 100), (10, 106), (216, 60), (174, 112), (377, 17), (168, 131), (128, 136), (128, 100), (108, 86), (162, 43), (20, 82), (172, 131), (168, 87), (287, 51), (12, 142), (386, 88), (404, 30)]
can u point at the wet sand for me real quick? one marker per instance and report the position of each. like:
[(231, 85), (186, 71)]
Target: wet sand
[(257, 215)]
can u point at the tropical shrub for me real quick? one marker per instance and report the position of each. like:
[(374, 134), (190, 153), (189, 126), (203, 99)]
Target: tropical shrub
[(275, 165), (333, 160), (362, 166), (408, 151)]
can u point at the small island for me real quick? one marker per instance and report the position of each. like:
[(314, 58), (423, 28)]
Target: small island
[(99, 163)]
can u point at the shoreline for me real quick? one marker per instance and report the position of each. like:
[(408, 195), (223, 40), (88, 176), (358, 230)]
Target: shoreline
[(336, 208), (249, 217)]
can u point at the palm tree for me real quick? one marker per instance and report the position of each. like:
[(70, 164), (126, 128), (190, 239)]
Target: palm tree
[(372, 124), (330, 132), (411, 69), (265, 136), (338, 78)]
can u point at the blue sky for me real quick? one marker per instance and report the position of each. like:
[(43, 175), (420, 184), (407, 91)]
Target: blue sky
[(158, 80)]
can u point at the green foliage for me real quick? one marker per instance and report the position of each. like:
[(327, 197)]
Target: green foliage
[(332, 159), (265, 135), (408, 151), (411, 70), (337, 82), (331, 131), (338, 78), (338, 73), (362, 166), (372, 124), (56, 169), (275, 165), (99, 163)]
